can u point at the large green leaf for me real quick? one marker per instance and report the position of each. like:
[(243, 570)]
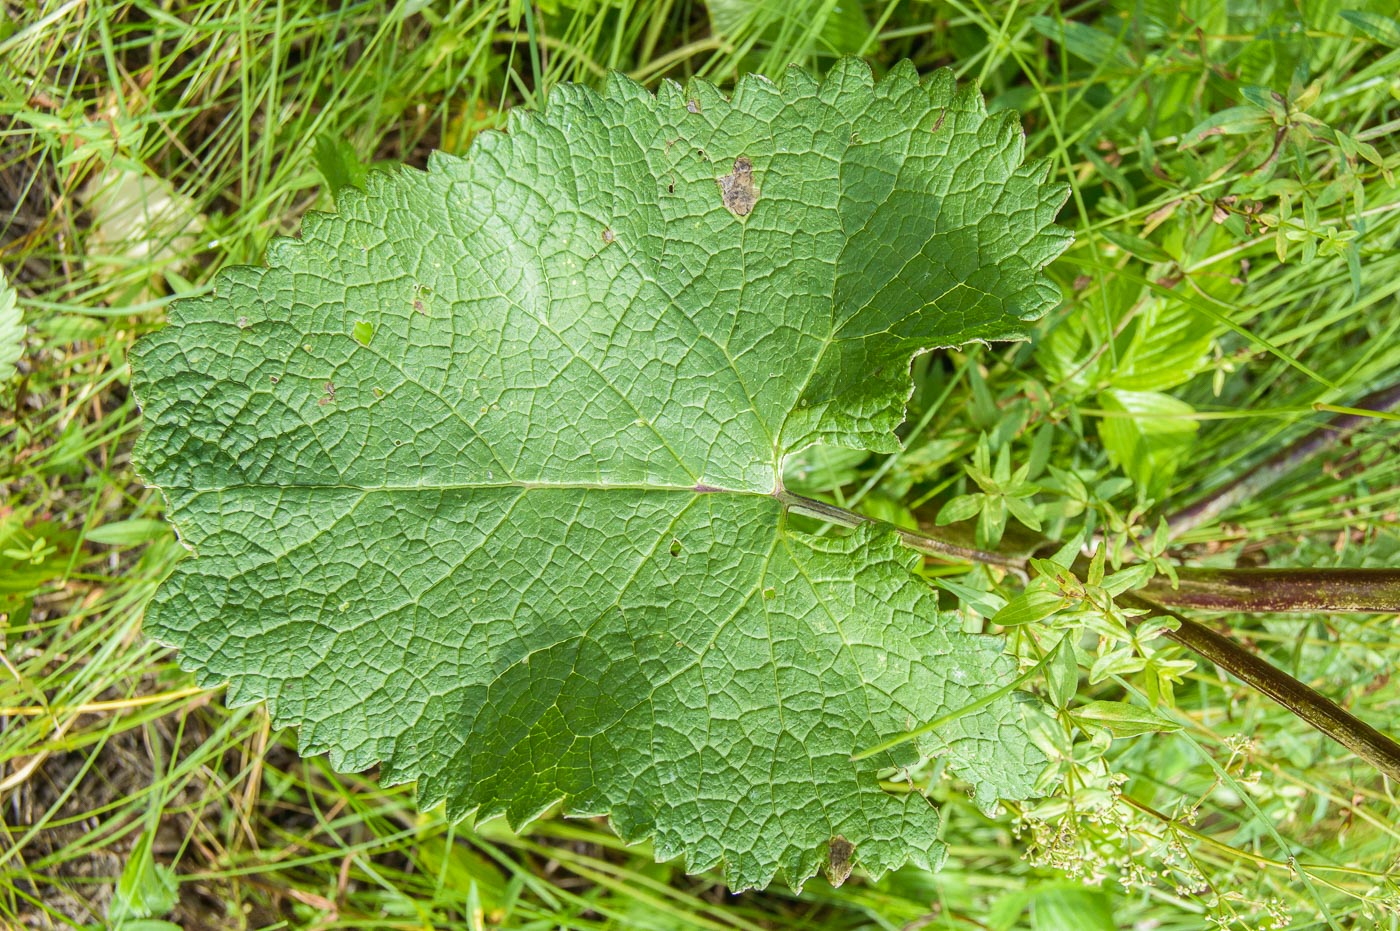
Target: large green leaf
[(482, 473)]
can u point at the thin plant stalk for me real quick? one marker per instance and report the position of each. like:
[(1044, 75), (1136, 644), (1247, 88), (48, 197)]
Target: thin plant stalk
[(1281, 463), (1325, 715)]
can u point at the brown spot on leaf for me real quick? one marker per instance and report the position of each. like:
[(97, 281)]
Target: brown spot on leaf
[(736, 189), (838, 860), (609, 236), (329, 396)]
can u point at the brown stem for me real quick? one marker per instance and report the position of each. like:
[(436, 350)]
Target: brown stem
[(1375, 591), (1281, 463), (1302, 700)]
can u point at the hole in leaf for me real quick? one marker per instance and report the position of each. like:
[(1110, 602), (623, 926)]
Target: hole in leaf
[(736, 189), (839, 860)]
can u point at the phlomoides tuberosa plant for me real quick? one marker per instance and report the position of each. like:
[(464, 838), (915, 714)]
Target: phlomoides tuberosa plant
[(483, 474)]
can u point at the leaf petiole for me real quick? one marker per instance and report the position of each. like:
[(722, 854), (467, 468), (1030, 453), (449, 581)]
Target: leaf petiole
[(914, 539)]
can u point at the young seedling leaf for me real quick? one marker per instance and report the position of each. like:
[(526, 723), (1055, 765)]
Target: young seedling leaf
[(482, 474)]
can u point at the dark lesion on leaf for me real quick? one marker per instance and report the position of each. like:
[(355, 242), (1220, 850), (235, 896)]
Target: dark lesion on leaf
[(840, 859), (737, 190)]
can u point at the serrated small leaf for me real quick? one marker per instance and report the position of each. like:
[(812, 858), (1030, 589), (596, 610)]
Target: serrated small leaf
[(526, 542)]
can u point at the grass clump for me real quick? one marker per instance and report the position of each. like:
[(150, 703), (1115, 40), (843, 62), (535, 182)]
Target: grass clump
[(1234, 280)]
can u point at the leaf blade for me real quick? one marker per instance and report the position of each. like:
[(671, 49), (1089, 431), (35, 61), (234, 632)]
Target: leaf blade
[(480, 471)]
